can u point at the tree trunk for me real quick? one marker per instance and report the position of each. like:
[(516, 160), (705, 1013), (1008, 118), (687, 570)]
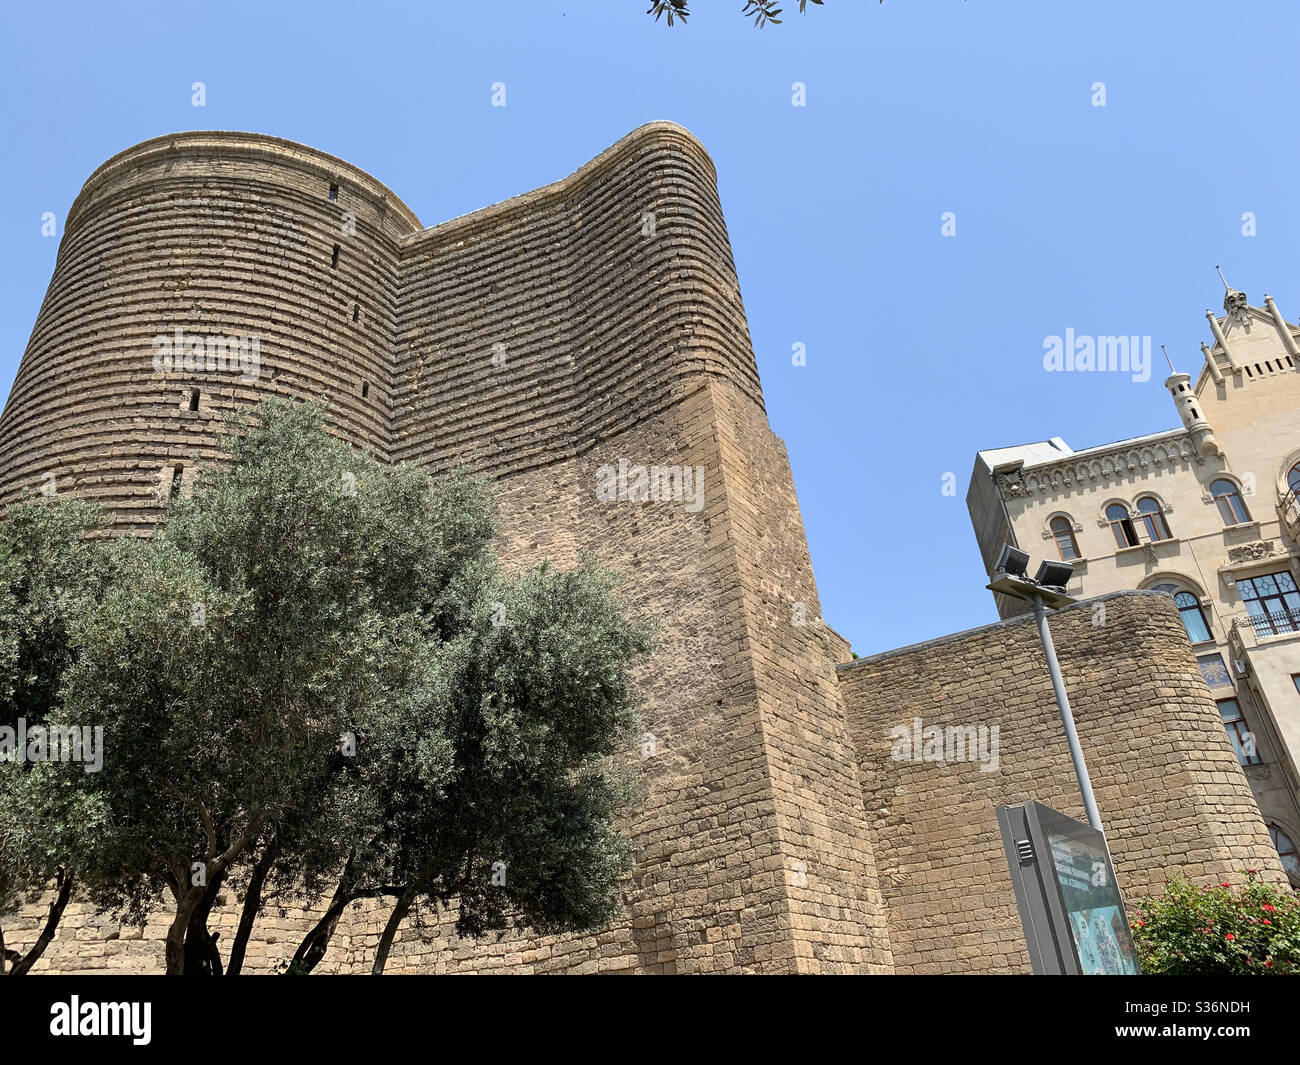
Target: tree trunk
[(202, 958), (174, 947), (252, 905), (398, 915), (65, 879), (4, 955), (314, 944)]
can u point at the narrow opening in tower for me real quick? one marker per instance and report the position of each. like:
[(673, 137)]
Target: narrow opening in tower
[(365, 389), (334, 192), (356, 311), (178, 472), (194, 399), (334, 259)]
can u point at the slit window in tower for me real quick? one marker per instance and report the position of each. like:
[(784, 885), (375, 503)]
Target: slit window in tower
[(194, 399), (356, 311), (178, 472), (365, 389), (334, 192), (334, 259)]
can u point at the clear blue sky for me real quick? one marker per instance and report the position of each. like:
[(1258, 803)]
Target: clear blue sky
[(921, 349)]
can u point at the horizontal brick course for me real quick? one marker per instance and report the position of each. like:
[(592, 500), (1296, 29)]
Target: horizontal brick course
[(617, 344)]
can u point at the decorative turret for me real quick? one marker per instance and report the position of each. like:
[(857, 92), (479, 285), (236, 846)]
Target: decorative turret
[(1189, 409)]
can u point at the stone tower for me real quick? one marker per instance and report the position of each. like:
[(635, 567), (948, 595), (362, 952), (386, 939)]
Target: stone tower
[(593, 323)]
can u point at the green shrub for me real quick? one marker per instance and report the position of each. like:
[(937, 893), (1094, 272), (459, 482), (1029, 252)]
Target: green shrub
[(1251, 929)]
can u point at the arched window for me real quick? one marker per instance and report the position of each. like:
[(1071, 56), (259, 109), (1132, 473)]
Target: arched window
[(1121, 525), (1227, 496), (1286, 851), (1153, 518), (1064, 537), (1293, 479), (1189, 609)]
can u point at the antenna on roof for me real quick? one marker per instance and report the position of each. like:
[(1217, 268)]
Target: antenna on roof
[(1168, 360)]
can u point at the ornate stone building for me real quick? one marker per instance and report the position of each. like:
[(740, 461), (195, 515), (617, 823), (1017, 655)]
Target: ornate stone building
[(590, 324), (1207, 513)]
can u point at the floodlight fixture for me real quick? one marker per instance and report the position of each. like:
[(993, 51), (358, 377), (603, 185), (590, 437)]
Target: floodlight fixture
[(1054, 574), (1013, 561), (1047, 589)]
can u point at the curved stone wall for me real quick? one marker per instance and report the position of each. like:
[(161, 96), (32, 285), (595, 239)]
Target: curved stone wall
[(601, 297), (216, 235), (509, 338), (591, 323)]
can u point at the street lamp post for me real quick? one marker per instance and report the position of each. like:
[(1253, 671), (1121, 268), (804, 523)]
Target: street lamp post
[(1044, 590)]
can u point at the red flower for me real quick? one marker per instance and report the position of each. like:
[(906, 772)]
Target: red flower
[(1270, 909), (1225, 884), (1268, 964), (1267, 921), (1229, 936)]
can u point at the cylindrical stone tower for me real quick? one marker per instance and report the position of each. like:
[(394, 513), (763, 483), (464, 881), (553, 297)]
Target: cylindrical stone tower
[(591, 326), (199, 272)]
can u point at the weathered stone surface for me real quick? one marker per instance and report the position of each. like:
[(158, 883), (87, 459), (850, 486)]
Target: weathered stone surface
[(1171, 794), (615, 338)]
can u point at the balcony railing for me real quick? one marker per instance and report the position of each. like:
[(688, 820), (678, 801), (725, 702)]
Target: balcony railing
[(1290, 508), (1274, 624)]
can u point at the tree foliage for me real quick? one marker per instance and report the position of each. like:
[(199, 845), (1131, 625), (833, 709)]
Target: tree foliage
[(762, 11), (49, 572), (317, 674)]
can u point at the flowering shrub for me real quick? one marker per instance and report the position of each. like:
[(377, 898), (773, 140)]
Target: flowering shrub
[(1219, 930)]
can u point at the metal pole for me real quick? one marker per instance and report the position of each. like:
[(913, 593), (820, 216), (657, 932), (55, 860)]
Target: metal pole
[(1067, 719)]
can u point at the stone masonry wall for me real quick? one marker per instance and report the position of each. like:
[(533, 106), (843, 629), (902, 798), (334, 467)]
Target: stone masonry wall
[(616, 338), (1171, 795)]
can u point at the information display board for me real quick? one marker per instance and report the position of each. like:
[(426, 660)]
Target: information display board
[(1070, 904)]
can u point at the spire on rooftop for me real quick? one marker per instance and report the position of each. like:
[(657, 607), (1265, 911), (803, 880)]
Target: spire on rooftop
[(1234, 302)]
